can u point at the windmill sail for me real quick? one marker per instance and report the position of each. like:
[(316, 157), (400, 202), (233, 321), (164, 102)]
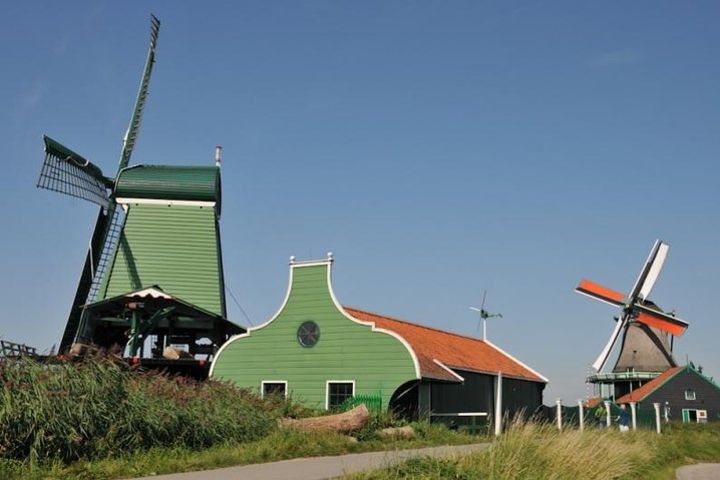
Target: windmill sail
[(108, 226), (67, 172), (136, 119)]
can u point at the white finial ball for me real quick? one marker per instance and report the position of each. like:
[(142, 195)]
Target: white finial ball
[(330, 255), (292, 258)]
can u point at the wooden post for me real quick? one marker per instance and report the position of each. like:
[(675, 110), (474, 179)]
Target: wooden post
[(498, 404), (581, 414), (608, 416), (633, 412), (558, 414), (657, 416)]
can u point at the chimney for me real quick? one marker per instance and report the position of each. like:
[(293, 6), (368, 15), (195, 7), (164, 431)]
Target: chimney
[(218, 155)]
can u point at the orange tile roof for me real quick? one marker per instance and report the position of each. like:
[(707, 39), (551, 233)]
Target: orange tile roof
[(455, 351), (645, 390)]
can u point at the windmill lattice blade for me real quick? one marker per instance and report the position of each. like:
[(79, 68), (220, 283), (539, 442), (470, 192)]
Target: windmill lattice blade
[(663, 321), (599, 362), (599, 292), (654, 270), (134, 127), (67, 172)]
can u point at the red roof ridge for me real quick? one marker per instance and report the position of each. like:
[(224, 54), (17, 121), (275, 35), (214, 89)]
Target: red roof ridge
[(642, 392), (362, 310)]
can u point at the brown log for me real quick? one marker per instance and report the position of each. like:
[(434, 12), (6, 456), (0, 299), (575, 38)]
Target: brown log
[(345, 422)]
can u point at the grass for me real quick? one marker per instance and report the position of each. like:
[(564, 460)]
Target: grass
[(279, 445), (539, 451)]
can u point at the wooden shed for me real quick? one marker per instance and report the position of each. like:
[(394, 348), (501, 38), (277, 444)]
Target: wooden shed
[(323, 353), (684, 393)]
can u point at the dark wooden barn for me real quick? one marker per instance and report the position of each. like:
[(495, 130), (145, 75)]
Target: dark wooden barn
[(684, 393)]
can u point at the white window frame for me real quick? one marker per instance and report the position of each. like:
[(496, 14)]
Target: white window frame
[(327, 390), (262, 386), (694, 395)]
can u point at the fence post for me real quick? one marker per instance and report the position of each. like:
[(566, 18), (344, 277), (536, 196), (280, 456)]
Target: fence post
[(633, 412), (581, 415), (558, 407), (498, 404), (657, 415), (666, 412), (608, 416)]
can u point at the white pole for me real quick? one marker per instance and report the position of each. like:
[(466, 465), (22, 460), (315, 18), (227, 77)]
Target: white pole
[(666, 412), (608, 416), (657, 416), (633, 411), (498, 404), (581, 413), (484, 329), (558, 407)]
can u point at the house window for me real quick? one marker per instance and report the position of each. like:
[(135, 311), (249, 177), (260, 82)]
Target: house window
[(274, 387), (689, 394), (308, 333), (338, 391)]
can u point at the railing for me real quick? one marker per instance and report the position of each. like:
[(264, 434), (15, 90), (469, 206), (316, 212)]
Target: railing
[(610, 377)]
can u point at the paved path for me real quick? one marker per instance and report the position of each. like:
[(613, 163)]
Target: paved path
[(317, 468), (701, 471)]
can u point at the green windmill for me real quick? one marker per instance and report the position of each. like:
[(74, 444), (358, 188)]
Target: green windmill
[(153, 275)]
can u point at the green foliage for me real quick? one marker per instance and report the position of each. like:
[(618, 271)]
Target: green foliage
[(69, 411)]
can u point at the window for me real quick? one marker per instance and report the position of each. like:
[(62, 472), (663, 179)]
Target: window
[(274, 387), (689, 394), (308, 333), (338, 391)]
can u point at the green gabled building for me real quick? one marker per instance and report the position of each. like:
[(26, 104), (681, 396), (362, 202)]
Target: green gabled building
[(323, 353)]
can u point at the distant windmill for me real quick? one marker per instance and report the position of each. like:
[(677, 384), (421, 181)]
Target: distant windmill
[(645, 351), (484, 314)]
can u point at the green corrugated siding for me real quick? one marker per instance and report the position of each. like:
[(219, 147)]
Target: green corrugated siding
[(170, 183), (175, 247), (379, 363)]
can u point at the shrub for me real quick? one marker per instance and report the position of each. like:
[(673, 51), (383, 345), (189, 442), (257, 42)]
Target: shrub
[(98, 408)]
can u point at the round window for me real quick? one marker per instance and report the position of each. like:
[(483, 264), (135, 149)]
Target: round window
[(308, 333)]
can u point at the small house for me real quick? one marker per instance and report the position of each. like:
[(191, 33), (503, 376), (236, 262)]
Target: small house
[(323, 353), (682, 392)]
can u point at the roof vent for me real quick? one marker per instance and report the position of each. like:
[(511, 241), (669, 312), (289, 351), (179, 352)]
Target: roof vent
[(218, 155)]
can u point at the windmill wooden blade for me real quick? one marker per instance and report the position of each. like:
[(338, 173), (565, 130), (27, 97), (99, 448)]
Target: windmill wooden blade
[(604, 294), (661, 320), (650, 271), (134, 127), (605, 353), (67, 172), (655, 269)]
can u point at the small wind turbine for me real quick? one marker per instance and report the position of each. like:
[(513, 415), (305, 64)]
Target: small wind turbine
[(484, 315)]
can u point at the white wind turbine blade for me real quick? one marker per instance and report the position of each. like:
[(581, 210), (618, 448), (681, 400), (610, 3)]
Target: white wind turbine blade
[(654, 271), (599, 363), (476, 309)]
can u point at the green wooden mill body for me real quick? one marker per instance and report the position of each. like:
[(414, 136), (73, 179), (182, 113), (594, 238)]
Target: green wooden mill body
[(153, 275)]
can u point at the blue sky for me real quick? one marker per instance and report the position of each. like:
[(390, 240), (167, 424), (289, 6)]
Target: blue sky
[(438, 148)]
